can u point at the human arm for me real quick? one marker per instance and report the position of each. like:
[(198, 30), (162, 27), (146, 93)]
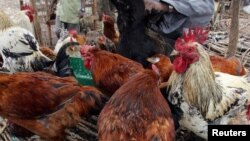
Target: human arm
[(155, 5), (192, 8), (158, 6), (186, 13), (185, 7)]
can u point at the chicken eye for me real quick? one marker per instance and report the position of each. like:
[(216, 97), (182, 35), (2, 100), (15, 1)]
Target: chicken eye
[(190, 49), (92, 43)]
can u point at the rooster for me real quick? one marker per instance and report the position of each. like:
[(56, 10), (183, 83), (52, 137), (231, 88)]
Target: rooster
[(132, 22), (137, 111), (201, 95), (48, 107), (24, 18), (109, 70), (220, 64)]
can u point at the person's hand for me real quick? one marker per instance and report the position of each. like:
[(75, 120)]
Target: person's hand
[(155, 5), (81, 13)]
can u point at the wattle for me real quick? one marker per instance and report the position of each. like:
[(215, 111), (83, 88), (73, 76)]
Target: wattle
[(31, 17), (87, 64), (180, 65)]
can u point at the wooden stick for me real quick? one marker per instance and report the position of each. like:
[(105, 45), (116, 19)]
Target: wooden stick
[(4, 125), (37, 26), (48, 25), (88, 124), (234, 29), (86, 130), (72, 136), (216, 13)]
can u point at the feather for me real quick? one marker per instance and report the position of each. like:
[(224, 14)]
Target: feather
[(5, 21), (203, 96), (20, 50)]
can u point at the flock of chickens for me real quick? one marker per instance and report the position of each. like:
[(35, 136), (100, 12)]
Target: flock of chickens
[(38, 90)]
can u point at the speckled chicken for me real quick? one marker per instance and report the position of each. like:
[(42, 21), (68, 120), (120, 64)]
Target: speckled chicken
[(202, 96), (19, 48), (45, 104)]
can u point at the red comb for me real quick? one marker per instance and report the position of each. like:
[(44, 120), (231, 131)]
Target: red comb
[(191, 35), (180, 44), (106, 18), (73, 32), (102, 38), (195, 35), (28, 7)]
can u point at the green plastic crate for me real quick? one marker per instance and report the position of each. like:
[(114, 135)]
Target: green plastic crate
[(82, 75)]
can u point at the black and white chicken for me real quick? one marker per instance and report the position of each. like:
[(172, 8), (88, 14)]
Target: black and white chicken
[(66, 47), (20, 51), (19, 48)]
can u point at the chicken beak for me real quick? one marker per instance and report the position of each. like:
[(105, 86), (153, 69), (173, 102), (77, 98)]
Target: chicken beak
[(174, 53), (153, 60), (72, 48)]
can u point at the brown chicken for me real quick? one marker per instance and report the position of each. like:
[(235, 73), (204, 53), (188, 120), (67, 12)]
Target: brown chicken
[(231, 65), (45, 104), (137, 111), (109, 70), (48, 52), (109, 29), (164, 64), (81, 39)]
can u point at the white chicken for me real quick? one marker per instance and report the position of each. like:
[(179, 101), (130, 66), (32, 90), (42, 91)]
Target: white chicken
[(24, 18), (65, 38), (19, 48), (201, 96)]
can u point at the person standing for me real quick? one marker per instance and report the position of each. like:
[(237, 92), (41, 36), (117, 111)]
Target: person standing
[(68, 14)]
